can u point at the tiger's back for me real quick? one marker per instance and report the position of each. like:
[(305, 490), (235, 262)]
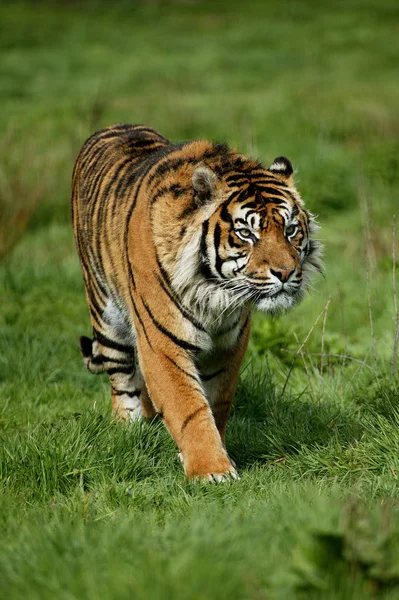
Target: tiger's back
[(105, 173)]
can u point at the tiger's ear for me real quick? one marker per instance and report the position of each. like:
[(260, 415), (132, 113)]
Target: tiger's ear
[(282, 167), (204, 183)]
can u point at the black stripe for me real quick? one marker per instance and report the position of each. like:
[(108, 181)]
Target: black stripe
[(273, 200), (95, 360), (86, 346), (107, 132), (118, 361), (181, 369), (126, 179), (115, 177), (106, 341), (93, 303), (111, 134), (238, 196), (258, 171), (218, 148), (85, 260), (209, 377), (174, 189), (236, 177), (144, 129), (192, 416), (295, 211), (224, 213), (91, 169), (189, 210), (181, 308), (164, 167), (235, 242), (131, 276), (239, 269), (216, 243), (177, 190), (137, 168), (272, 191), (250, 212), (203, 245), (97, 286), (140, 178), (252, 204), (205, 268), (182, 343), (143, 144), (141, 322), (243, 327), (95, 317), (128, 393), (119, 127), (272, 180), (168, 165), (162, 269), (90, 154), (94, 185), (102, 207), (126, 370), (159, 193), (96, 290)]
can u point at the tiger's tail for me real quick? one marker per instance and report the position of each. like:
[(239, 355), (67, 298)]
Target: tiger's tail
[(92, 358)]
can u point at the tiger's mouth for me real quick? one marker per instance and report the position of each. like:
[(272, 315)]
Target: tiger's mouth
[(274, 292), (246, 291), (278, 301)]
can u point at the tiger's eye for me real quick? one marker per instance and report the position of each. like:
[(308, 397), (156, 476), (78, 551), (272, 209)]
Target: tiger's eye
[(290, 230), (245, 232)]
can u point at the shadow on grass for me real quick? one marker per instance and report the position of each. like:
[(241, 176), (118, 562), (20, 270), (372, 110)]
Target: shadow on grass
[(266, 427), (380, 398)]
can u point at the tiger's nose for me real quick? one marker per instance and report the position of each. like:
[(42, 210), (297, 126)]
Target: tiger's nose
[(282, 273)]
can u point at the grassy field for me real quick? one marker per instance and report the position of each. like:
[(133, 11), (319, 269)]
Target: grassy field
[(90, 509)]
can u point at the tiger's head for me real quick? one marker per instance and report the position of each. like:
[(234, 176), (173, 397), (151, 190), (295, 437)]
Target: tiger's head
[(255, 242)]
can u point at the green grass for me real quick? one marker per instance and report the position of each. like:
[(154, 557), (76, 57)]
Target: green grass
[(91, 509)]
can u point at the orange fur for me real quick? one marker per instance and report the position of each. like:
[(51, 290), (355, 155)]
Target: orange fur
[(158, 232)]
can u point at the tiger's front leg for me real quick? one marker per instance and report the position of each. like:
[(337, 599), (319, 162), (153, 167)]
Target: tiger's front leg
[(177, 393), (219, 374)]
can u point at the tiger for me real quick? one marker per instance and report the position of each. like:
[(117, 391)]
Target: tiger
[(179, 243)]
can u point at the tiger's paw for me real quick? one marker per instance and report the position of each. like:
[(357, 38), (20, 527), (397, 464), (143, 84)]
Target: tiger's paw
[(127, 407), (219, 477), (217, 473)]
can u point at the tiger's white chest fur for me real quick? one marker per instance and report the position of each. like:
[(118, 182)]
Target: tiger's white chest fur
[(221, 332)]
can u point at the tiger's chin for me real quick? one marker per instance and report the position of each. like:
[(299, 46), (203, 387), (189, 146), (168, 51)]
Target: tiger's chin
[(279, 303)]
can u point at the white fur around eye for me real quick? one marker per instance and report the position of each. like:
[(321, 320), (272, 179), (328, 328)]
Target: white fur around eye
[(291, 230), (245, 238)]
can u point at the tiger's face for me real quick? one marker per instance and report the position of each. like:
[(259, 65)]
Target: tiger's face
[(257, 244)]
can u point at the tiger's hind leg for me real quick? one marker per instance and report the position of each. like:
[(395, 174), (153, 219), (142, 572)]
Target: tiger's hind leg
[(113, 351), (129, 396), (130, 400)]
